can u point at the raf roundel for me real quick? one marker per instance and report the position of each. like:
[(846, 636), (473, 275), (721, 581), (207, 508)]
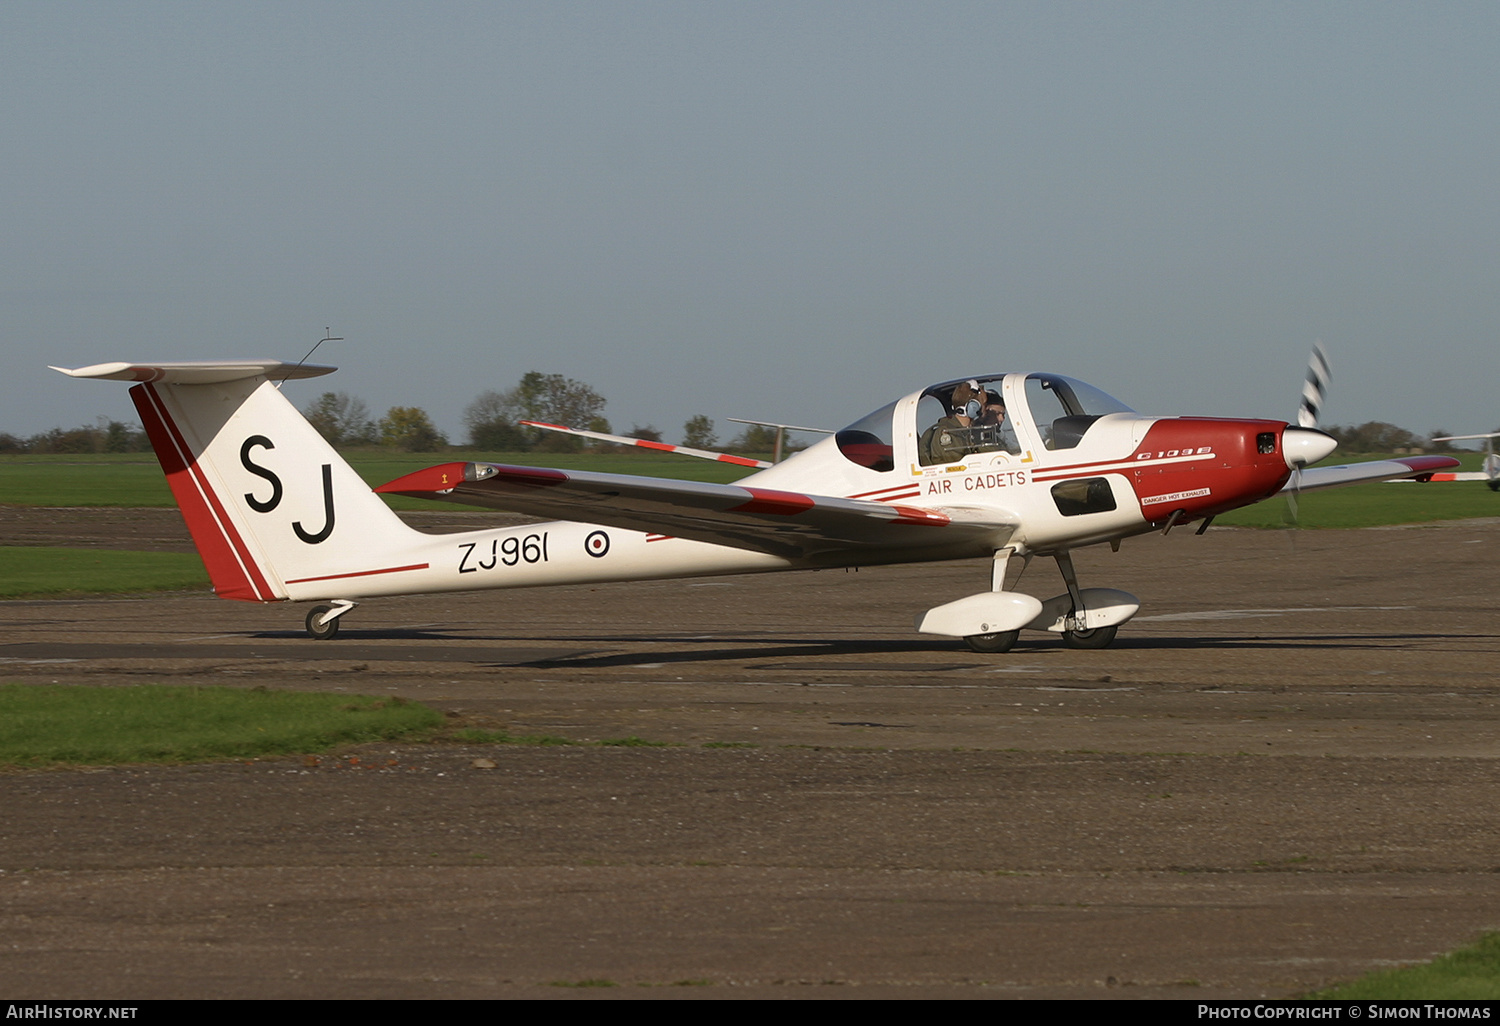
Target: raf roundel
[(596, 544)]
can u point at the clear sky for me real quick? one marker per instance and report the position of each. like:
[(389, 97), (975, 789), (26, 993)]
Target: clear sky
[(788, 211)]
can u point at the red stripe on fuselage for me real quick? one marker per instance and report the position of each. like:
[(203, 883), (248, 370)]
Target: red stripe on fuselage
[(882, 491), (361, 573), (231, 567)]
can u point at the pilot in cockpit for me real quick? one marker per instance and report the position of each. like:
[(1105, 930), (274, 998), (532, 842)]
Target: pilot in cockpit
[(951, 437), (975, 423)]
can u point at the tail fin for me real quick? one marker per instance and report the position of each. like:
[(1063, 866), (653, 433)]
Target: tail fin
[(268, 501)]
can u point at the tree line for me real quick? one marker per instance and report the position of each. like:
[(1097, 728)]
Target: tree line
[(104, 436), (494, 422), (1378, 436)]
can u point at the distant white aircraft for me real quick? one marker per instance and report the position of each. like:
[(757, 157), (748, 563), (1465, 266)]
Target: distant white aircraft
[(999, 466), (1491, 472)]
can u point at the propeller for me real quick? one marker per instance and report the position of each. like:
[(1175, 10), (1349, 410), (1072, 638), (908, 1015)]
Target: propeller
[(1305, 444), (1315, 388)]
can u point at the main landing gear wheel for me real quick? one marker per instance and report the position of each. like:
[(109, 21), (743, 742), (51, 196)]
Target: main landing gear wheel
[(1000, 642), (323, 631), (1099, 637)]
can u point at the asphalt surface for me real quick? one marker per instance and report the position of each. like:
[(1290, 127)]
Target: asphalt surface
[(1282, 775)]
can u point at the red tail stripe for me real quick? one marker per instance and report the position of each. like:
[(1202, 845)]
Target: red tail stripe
[(230, 565)]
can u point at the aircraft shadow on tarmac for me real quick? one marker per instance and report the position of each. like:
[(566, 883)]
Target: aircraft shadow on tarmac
[(955, 655), (603, 651), (699, 649)]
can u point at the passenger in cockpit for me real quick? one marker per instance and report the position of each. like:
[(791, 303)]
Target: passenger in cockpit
[(991, 427)]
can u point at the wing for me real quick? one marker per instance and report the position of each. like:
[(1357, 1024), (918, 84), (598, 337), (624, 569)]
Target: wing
[(1420, 468), (646, 443), (788, 524)]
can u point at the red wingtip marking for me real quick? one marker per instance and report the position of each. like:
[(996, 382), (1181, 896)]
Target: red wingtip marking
[(767, 500), (442, 478), (741, 460), (646, 443), (544, 424), (912, 515), (447, 476), (1429, 462)]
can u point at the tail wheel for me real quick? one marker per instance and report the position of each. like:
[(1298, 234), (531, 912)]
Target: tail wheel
[(322, 631), (1099, 637), (992, 643)]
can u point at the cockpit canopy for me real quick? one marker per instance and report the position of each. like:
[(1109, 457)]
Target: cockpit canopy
[(955, 419), (867, 441)]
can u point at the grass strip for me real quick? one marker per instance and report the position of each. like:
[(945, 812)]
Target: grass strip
[(42, 570), (1468, 974), (135, 479), (1373, 505), (48, 725)]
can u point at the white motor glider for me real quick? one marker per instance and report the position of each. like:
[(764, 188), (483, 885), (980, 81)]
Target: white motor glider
[(1491, 463), (995, 466)]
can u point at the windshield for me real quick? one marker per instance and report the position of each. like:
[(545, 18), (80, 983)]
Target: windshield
[(1065, 408)]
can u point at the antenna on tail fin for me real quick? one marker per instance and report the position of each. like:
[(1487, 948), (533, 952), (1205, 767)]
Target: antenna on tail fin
[(328, 336)]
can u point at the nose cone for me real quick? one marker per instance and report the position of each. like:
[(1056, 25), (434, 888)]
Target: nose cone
[(1303, 446)]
